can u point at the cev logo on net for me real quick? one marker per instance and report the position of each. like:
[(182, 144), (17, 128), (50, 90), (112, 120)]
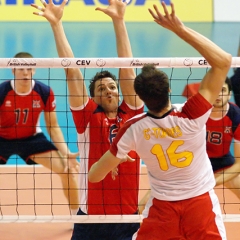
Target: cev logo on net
[(87, 2)]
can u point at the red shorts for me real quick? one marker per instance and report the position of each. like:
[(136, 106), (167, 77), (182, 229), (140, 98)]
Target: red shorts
[(195, 218)]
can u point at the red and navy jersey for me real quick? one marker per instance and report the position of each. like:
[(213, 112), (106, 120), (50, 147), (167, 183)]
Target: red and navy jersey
[(20, 113), (221, 132), (95, 135), (173, 147)]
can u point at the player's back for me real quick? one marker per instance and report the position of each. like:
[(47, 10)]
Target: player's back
[(174, 149)]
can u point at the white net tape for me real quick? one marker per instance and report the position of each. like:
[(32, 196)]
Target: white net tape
[(107, 62), (90, 218)]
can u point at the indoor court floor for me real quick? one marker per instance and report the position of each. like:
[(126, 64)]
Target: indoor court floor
[(93, 40), (37, 185)]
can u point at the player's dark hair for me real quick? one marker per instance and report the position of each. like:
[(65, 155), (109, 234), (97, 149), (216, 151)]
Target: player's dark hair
[(152, 86), (100, 75), (229, 84), (23, 55)]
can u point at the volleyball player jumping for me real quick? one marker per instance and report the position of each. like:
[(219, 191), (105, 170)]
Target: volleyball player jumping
[(171, 140)]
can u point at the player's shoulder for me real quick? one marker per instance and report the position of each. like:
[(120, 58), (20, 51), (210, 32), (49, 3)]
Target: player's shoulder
[(41, 85), (233, 106), (233, 112), (233, 109), (136, 118), (5, 87), (41, 88), (6, 83)]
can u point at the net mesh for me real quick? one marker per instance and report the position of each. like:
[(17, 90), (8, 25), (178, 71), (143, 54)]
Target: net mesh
[(31, 193)]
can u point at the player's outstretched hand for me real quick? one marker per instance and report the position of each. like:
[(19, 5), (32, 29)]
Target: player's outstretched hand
[(169, 21), (53, 13), (116, 9)]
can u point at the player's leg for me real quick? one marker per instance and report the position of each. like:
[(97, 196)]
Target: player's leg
[(42, 151), (202, 218), (53, 161), (161, 221), (219, 164), (234, 185)]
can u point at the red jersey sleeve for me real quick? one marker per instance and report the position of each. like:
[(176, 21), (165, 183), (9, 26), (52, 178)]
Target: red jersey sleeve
[(51, 102)]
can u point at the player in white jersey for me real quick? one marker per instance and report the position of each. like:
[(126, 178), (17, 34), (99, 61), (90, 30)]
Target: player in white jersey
[(171, 140)]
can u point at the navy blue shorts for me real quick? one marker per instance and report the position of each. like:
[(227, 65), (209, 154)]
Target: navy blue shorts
[(222, 162), (103, 231), (25, 147)]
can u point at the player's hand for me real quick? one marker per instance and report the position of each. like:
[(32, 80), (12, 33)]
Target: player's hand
[(53, 13), (114, 172), (116, 8), (169, 20), (127, 159)]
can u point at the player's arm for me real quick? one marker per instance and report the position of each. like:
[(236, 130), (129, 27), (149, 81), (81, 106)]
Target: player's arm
[(55, 132), (101, 168), (219, 60), (232, 171), (116, 10), (76, 86), (57, 138)]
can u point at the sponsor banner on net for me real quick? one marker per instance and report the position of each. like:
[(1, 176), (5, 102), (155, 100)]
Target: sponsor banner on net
[(84, 10)]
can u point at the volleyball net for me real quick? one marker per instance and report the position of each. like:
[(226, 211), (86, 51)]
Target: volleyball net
[(31, 193)]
